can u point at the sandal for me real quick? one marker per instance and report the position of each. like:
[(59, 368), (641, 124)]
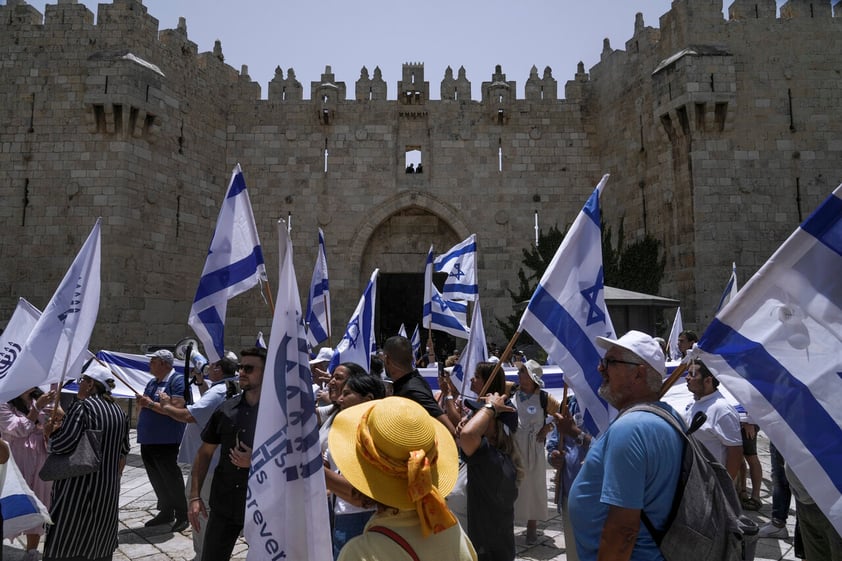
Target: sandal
[(750, 503)]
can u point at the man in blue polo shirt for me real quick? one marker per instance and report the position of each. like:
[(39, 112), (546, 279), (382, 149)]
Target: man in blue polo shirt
[(633, 466), (159, 437)]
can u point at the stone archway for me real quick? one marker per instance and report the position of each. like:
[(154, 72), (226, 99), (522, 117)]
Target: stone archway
[(395, 238)]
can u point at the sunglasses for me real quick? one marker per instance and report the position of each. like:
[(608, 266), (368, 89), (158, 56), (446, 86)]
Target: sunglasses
[(247, 368)]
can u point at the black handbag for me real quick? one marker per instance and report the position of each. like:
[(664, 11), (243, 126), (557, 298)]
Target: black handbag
[(85, 458)]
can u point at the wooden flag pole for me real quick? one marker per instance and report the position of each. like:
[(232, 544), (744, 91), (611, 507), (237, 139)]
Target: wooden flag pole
[(499, 366), (676, 374)]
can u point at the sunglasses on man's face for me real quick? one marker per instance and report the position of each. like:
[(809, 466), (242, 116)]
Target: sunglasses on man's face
[(247, 368)]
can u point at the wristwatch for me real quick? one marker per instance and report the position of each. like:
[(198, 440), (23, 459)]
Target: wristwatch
[(491, 407)]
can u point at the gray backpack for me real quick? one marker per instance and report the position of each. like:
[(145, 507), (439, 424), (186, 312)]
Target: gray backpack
[(703, 524)]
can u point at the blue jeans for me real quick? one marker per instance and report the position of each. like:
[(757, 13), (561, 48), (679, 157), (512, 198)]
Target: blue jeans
[(347, 526), (781, 494)]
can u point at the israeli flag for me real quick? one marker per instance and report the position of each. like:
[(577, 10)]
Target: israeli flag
[(415, 341), (437, 313), (567, 311), (285, 514), (731, 289), (777, 347), (358, 340), (318, 300), (460, 264), (234, 265), (475, 351)]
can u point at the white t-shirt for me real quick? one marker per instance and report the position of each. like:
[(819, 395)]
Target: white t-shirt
[(722, 427)]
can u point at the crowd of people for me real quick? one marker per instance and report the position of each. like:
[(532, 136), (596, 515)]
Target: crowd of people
[(410, 473)]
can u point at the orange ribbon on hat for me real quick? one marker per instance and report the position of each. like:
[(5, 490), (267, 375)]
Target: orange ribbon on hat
[(430, 505)]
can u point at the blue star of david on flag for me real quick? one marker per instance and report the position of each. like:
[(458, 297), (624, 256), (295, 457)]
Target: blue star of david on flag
[(460, 265), (591, 295)]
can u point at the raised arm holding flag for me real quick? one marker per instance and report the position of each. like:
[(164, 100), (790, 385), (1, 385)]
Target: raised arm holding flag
[(234, 265), (777, 347)]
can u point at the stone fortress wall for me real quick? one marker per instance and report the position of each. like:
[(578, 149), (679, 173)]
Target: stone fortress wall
[(721, 135)]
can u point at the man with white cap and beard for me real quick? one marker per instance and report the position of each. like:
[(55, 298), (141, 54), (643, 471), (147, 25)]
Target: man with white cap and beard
[(634, 465)]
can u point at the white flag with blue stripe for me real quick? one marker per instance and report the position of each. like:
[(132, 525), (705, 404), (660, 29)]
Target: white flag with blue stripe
[(475, 351), (234, 265), (437, 313), (318, 300), (460, 264), (286, 513), (567, 311), (358, 340), (22, 510), (677, 328), (731, 289), (58, 342), (415, 341), (777, 347)]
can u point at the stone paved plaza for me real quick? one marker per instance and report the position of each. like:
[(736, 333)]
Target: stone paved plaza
[(137, 504)]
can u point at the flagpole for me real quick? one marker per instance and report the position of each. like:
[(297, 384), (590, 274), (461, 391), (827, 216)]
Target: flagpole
[(676, 374), (327, 318), (498, 366), (60, 383), (128, 385), (268, 293)]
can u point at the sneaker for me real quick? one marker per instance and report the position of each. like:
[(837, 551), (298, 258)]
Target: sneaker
[(769, 530)]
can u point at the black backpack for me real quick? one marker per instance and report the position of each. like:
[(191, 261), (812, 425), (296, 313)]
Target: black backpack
[(703, 524)]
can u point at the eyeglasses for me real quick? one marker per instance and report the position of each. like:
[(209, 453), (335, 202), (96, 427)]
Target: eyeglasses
[(606, 362), (247, 368)]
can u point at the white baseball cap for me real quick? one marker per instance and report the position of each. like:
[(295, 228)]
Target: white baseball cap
[(643, 345)]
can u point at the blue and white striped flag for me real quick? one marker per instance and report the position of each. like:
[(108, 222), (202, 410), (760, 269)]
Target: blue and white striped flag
[(358, 340), (475, 351), (567, 311), (318, 300), (402, 331), (286, 514), (58, 342), (437, 313), (777, 347), (415, 341), (234, 265), (460, 264), (22, 510), (731, 289)]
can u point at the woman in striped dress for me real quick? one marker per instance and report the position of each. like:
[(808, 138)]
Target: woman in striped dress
[(84, 508)]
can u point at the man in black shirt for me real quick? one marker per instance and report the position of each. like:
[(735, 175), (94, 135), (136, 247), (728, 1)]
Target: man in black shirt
[(232, 426), (407, 381)]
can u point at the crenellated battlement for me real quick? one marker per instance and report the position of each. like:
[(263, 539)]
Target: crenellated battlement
[(720, 134)]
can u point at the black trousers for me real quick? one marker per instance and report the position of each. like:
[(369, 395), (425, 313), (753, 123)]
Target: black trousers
[(161, 463), (221, 536)]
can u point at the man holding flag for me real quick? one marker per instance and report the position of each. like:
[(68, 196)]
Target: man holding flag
[(232, 426)]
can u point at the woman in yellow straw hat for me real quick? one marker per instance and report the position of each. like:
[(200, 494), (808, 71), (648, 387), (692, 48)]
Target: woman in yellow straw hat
[(392, 451)]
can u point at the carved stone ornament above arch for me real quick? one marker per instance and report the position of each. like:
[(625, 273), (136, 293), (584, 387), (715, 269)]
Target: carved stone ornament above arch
[(396, 235)]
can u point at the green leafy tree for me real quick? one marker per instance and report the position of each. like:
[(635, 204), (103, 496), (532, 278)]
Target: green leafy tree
[(638, 266), (535, 261)]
